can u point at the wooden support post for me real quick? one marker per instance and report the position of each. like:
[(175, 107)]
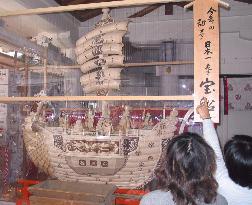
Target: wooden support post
[(26, 76), (45, 74), (15, 63), (45, 69)]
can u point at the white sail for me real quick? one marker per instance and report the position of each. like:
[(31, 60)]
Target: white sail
[(105, 49), (108, 38), (101, 47), (109, 61), (105, 86), (101, 75), (119, 26)]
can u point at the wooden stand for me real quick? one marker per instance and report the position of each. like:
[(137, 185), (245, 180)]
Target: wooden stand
[(71, 193)]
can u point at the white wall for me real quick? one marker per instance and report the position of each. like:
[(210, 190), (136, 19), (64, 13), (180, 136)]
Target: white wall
[(236, 122)]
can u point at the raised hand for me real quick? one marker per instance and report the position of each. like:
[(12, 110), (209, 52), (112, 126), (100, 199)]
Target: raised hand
[(203, 111)]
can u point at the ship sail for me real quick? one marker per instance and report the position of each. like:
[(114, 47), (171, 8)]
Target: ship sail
[(100, 51)]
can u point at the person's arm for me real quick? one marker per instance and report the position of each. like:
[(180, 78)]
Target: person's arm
[(211, 138)]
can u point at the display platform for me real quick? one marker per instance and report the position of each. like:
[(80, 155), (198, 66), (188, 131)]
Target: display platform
[(6, 203), (59, 192)]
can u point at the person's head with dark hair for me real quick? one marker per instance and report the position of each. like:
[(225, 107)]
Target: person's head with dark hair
[(187, 170), (238, 158)]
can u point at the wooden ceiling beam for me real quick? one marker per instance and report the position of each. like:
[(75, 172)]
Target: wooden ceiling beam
[(182, 4), (74, 2), (59, 2), (145, 11), (86, 15), (60, 9), (65, 2), (168, 9)]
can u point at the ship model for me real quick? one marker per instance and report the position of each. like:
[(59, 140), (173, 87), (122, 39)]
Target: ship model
[(124, 153)]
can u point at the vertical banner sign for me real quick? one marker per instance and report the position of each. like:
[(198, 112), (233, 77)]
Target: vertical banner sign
[(206, 56)]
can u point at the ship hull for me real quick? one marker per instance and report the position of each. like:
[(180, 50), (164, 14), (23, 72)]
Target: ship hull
[(125, 161)]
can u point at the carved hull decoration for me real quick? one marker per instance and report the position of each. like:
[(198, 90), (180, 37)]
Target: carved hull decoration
[(95, 165), (101, 49), (124, 160)]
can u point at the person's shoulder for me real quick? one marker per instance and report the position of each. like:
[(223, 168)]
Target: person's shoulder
[(234, 193), (226, 184), (156, 197), (155, 194), (221, 200)]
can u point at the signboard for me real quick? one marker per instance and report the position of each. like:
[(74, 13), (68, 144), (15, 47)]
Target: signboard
[(206, 56)]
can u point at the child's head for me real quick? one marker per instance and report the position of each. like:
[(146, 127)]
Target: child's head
[(238, 158)]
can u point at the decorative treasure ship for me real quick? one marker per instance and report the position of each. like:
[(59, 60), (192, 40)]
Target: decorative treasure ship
[(111, 148)]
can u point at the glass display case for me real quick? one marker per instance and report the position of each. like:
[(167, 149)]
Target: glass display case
[(95, 108)]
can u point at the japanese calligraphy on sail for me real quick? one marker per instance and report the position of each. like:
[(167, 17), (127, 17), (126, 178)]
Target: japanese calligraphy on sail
[(206, 56)]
